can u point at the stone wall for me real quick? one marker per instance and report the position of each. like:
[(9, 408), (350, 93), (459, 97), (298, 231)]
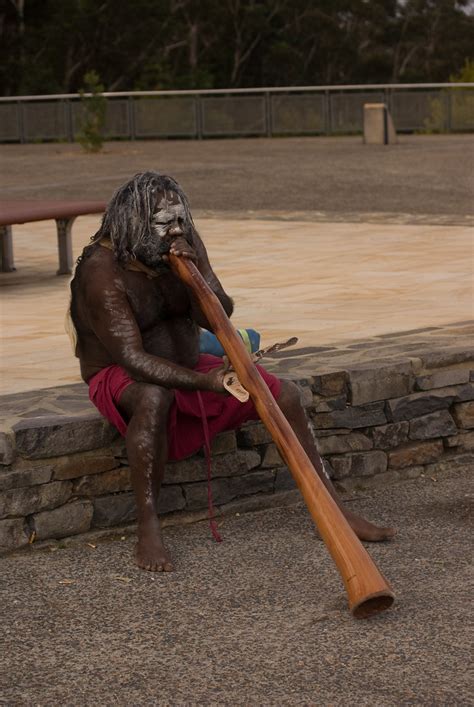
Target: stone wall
[(408, 411)]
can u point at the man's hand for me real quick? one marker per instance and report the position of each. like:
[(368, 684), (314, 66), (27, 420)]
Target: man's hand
[(215, 379), (181, 248)]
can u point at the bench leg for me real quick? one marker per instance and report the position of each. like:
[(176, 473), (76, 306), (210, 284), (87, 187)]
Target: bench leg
[(6, 249), (64, 226)]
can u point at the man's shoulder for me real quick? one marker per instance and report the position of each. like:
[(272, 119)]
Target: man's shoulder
[(97, 273), (100, 263)]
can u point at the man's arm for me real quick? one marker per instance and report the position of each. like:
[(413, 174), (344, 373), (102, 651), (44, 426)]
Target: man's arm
[(114, 324)]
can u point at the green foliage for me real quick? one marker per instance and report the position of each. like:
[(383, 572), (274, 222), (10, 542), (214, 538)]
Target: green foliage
[(436, 122), (466, 75), (455, 106), (166, 44), (94, 105)]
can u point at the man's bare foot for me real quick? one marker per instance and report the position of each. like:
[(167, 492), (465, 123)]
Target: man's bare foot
[(368, 531), (150, 552)]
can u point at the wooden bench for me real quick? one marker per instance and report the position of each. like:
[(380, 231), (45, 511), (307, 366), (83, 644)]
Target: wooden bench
[(63, 212)]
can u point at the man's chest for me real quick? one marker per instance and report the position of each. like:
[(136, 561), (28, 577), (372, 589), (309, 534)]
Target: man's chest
[(154, 299)]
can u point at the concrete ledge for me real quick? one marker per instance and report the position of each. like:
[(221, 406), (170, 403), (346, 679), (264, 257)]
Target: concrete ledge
[(383, 410)]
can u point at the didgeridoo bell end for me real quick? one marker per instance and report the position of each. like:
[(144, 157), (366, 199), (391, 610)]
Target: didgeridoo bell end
[(372, 605)]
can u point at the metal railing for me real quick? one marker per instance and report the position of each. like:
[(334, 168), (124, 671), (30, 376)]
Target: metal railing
[(296, 110)]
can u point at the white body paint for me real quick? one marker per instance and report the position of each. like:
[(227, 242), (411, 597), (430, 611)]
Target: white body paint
[(168, 214), (323, 463)]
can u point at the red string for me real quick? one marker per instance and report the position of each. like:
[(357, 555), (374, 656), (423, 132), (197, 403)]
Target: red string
[(207, 452)]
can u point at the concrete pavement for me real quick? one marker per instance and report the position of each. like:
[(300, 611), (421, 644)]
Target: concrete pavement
[(260, 619), (322, 282)]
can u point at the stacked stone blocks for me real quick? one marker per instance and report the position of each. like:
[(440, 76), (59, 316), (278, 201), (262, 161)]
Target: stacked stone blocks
[(382, 418), (376, 422)]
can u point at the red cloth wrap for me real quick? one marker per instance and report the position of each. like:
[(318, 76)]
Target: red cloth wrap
[(185, 428)]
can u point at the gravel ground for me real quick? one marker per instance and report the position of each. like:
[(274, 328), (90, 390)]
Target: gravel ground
[(337, 176), (258, 620)]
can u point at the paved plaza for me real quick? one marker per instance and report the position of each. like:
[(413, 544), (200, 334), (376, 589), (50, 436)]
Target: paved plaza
[(323, 239), (322, 282)]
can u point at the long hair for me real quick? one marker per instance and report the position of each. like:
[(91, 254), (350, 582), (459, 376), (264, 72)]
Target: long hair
[(128, 219)]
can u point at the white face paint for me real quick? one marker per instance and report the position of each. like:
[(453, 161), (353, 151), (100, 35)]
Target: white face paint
[(170, 212), (168, 222)]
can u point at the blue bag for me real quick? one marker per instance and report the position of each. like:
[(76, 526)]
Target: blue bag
[(210, 344)]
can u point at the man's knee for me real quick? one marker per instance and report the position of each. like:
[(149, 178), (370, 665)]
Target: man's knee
[(154, 400)]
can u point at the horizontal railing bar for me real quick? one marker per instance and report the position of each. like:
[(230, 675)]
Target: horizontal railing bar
[(239, 91)]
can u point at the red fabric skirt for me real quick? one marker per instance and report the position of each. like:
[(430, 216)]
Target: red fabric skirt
[(185, 426)]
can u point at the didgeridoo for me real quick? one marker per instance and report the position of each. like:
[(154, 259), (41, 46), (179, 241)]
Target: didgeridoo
[(368, 591)]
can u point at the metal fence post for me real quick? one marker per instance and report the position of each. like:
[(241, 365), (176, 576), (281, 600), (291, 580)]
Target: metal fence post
[(68, 119), (268, 115), (327, 113), (21, 122), (198, 116), (448, 106), (131, 118)]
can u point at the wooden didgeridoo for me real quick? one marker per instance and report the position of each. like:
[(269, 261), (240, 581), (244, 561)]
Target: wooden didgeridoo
[(368, 591)]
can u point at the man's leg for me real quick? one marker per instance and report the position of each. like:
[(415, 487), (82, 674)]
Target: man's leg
[(290, 404), (147, 407)]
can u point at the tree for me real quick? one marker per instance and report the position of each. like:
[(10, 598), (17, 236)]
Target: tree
[(47, 46), (435, 37), (94, 105)]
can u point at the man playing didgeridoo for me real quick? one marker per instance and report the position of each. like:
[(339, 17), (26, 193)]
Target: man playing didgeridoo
[(137, 330)]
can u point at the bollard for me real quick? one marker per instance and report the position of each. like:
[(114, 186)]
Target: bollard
[(378, 125)]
